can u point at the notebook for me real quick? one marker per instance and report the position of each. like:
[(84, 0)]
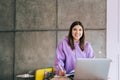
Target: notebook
[(92, 69)]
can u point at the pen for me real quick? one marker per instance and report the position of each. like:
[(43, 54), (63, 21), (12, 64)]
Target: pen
[(61, 68)]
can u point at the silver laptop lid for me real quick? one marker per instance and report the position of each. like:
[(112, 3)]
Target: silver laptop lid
[(92, 69)]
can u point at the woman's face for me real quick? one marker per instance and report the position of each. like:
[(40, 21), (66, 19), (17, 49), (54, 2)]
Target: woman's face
[(77, 33)]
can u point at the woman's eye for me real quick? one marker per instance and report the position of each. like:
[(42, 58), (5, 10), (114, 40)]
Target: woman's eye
[(74, 29), (80, 29)]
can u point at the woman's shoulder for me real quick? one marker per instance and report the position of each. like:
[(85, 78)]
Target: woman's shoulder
[(64, 41), (87, 44)]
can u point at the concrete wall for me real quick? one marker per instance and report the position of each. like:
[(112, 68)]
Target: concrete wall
[(31, 29)]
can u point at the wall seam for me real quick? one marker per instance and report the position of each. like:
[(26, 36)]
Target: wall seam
[(56, 22), (14, 23)]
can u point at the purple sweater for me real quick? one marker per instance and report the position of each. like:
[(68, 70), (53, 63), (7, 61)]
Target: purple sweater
[(66, 57)]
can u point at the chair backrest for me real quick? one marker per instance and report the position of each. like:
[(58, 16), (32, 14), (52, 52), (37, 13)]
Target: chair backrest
[(39, 74)]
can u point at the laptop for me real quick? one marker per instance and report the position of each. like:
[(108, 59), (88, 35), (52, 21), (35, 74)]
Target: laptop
[(92, 69)]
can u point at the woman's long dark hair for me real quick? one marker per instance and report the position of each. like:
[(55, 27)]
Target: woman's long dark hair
[(70, 37)]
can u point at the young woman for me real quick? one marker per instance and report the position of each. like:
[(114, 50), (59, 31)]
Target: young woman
[(72, 47)]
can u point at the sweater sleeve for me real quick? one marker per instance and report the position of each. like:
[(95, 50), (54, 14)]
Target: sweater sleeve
[(89, 50), (59, 57)]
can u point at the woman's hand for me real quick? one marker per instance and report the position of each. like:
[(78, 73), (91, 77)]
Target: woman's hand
[(62, 73)]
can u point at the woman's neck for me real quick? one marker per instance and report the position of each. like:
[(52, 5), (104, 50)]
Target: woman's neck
[(76, 41)]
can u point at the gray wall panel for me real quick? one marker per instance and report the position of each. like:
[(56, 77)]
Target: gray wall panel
[(6, 14), (37, 14), (91, 12), (34, 50), (6, 55)]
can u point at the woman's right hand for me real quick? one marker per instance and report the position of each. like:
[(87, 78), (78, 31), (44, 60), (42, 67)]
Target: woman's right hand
[(62, 73)]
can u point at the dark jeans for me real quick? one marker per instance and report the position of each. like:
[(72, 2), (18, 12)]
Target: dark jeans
[(71, 77)]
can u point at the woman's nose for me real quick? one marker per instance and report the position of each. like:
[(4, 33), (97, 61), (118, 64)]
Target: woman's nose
[(77, 31)]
